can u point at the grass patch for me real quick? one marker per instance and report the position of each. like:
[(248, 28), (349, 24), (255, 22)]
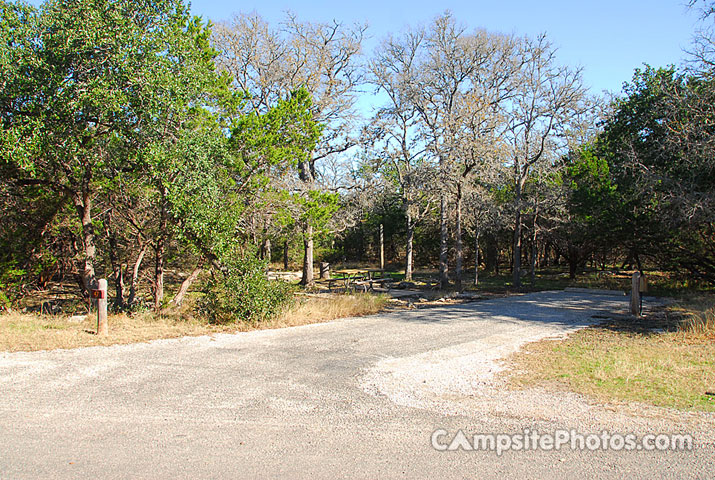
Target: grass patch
[(667, 359), (31, 332), (697, 316), (323, 309)]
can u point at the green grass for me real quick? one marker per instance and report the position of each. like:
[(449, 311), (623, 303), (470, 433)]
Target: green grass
[(662, 360)]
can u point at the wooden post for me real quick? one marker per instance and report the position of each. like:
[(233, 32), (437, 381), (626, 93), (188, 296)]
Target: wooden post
[(102, 327), (382, 248), (636, 294)]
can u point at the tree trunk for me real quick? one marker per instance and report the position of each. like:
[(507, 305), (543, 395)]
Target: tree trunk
[(135, 276), (307, 256), (160, 250), (83, 206), (382, 247), (266, 253), (285, 255), (532, 270), (159, 273), (534, 251), (117, 268), (119, 302), (306, 172), (459, 261), (443, 267), (476, 254), (185, 285), (408, 256), (516, 252)]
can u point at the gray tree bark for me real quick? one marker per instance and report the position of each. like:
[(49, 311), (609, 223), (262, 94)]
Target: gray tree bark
[(443, 234), (135, 275), (408, 256), (459, 261), (476, 254), (185, 285), (308, 275), (83, 206)]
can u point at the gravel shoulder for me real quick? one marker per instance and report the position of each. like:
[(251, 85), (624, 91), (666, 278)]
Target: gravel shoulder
[(355, 398)]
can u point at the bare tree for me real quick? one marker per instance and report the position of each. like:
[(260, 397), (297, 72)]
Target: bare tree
[(546, 96), (268, 63), (394, 133), (445, 87), (463, 78), (477, 145), (447, 65)]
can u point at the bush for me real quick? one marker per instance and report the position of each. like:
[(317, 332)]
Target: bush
[(242, 292), (10, 279)]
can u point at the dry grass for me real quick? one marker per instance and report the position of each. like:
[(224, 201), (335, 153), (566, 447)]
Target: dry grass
[(323, 309), (28, 332), (697, 316), (624, 360)]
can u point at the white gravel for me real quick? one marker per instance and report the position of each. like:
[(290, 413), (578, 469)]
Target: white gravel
[(355, 398), (461, 380)]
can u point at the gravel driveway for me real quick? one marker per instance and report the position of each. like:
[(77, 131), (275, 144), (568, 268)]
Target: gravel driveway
[(355, 398)]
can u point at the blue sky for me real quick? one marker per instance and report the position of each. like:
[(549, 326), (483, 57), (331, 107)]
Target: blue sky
[(608, 38)]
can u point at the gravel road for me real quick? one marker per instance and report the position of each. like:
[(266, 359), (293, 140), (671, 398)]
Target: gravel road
[(354, 398)]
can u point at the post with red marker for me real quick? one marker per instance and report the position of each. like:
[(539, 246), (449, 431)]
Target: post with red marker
[(100, 295)]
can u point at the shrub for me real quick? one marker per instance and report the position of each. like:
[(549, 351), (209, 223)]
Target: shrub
[(242, 292), (10, 280)]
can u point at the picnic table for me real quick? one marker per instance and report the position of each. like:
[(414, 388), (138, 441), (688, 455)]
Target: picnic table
[(363, 278)]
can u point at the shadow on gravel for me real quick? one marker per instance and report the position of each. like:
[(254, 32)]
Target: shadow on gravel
[(556, 308), (654, 322)]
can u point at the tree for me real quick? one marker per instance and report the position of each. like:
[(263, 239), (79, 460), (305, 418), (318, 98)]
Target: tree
[(445, 86), (659, 148), (546, 95), (393, 136), (448, 63), (268, 63), (90, 87)]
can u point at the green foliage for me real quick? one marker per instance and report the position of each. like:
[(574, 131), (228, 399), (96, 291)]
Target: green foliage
[(592, 193), (317, 208), (9, 283), (100, 93), (242, 292), (269, 143), (116, 106), (659, 153)]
